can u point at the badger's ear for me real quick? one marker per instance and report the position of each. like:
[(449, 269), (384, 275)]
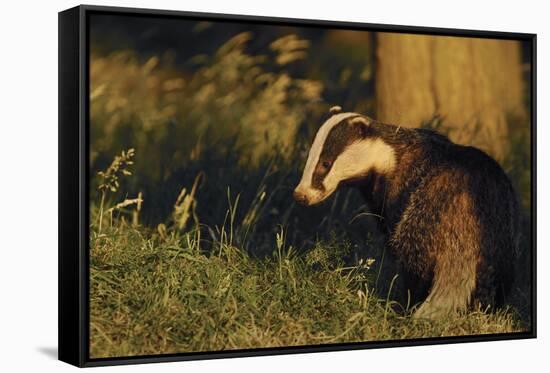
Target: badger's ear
[(362, 125), (335, 110)]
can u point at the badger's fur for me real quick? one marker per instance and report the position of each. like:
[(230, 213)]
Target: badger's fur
[(449, 212)]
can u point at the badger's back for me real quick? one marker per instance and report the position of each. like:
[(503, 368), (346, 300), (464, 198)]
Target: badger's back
[(460, 211), (496, 207)]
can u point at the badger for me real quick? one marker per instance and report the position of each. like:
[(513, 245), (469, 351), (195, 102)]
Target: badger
[(448, 212)]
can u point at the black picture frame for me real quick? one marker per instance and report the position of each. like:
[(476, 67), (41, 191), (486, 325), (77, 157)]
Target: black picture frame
[(74, 195)]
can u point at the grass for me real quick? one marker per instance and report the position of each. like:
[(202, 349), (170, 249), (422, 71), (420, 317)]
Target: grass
[(168, 290), (154, 293)]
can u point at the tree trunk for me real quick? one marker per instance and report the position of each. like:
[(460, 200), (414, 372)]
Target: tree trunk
[(474, 85)]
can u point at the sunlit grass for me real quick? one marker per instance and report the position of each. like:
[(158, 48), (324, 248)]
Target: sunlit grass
[(232, 99), (154, 294)]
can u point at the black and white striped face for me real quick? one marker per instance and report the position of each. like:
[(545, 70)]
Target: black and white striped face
[(345, 148)]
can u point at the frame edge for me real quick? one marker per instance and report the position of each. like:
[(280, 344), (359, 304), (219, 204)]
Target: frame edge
[(70, 348)]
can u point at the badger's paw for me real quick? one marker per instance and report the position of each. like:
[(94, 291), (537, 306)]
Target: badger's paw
[(431, 311)]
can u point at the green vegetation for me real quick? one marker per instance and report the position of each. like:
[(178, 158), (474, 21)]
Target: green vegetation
[(155, 293)]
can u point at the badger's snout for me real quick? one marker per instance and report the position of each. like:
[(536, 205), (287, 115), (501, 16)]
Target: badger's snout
[(300, 197)]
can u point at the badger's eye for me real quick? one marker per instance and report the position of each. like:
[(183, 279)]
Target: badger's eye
[(326, 164)]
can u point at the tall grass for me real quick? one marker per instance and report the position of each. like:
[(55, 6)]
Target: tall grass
[(233, 100)]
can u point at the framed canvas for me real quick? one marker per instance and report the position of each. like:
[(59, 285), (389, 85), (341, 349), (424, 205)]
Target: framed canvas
[(235, 186)]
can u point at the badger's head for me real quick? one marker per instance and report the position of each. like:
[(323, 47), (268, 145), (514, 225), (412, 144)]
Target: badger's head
[(346, 147)]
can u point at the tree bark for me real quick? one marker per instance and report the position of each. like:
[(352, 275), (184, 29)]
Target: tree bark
[(475, 85)]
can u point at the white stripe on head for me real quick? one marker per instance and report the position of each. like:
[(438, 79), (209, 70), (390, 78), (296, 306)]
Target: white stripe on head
[(317, 147), (357, 160)]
